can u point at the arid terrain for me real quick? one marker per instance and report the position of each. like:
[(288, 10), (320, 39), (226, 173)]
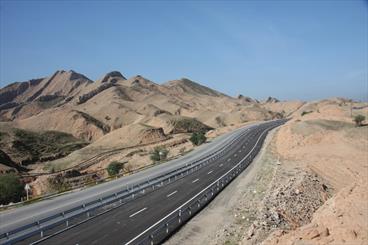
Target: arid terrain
[(113, 119), (308, 186)]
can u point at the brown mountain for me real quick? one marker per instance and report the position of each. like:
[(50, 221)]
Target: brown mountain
[(70, 102)]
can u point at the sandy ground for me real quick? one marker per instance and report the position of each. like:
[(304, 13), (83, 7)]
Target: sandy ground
[(224, 217), (308, 186)]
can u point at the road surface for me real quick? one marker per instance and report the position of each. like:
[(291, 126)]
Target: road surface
[(132, 221)]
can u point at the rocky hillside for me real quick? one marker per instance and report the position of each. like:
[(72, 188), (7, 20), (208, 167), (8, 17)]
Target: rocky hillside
[(88, 110), (20, 148)]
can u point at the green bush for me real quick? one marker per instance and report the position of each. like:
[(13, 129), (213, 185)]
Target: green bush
[(198, 138), (114, 168), (359, 119), (159, 153), (306, 112), (11, 188)]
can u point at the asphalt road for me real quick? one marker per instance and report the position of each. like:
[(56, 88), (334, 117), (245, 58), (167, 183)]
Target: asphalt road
[(14, 218), (133, 220)]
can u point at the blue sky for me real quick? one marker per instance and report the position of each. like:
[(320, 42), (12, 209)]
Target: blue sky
[(287, 49)]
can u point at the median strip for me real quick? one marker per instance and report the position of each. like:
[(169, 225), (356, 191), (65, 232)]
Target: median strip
[(130, 216)]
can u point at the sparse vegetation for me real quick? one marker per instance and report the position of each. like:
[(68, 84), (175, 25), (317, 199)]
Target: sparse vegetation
[(359, 119), (90, 119), (48, 145), (114, 168), (220, 121), (159, 154), (305, 113), (11, 188), (72, 173), (188, 125), (198, 138), (58, 183)]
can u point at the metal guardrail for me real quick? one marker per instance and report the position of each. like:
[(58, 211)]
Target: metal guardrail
[(161, 230), (127, 194)]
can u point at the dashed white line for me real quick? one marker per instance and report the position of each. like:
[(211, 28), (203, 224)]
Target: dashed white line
[(239, 150), (221, 165), (229, 159), (172, 193), (235, 155), (130, 216), (210, 172), (195, 180), (191, 199)]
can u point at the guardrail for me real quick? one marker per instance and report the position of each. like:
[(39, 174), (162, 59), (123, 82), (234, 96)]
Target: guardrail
[(127, 194), (162, 229)]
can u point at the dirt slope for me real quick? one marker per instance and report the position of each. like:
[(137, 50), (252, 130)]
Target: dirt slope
[(325, 143)]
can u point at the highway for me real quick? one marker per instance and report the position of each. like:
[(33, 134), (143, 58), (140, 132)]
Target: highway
[(131, 222)]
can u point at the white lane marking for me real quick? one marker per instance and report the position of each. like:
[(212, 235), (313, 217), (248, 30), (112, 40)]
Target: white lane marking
[(199, 193), (221, 165), (172, 193), (210, 172), (229, 159), (195, 180), (235, 155), (137, 212), (239, 150)]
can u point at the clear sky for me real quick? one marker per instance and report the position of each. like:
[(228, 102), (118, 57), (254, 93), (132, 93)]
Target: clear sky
[(287, 49)]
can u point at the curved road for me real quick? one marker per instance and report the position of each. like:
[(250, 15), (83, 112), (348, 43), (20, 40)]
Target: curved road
[(128, 223)]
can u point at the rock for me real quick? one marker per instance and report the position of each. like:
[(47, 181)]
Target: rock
[(251, 231), (313, 234), (272, 100), (325, 232)]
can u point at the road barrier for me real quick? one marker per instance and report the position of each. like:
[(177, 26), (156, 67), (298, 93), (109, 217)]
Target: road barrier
[(162, 229), (59, 222)]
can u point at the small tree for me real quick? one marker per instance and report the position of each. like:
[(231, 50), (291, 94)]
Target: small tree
[(358, 119), (114, 168), (159, 153), (306, 112), (11, 188), (198, 138)]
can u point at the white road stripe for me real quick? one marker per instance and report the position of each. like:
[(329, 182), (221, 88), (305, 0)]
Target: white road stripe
[(221, 165), (210, 172), (199, 193), (137, 212), (229, 159), (195, 180), (172, 193)]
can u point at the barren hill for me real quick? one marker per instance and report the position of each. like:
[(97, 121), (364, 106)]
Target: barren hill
[(71, 103)]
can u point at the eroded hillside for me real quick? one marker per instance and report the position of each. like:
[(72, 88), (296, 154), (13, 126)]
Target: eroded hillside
[(104, 110)]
